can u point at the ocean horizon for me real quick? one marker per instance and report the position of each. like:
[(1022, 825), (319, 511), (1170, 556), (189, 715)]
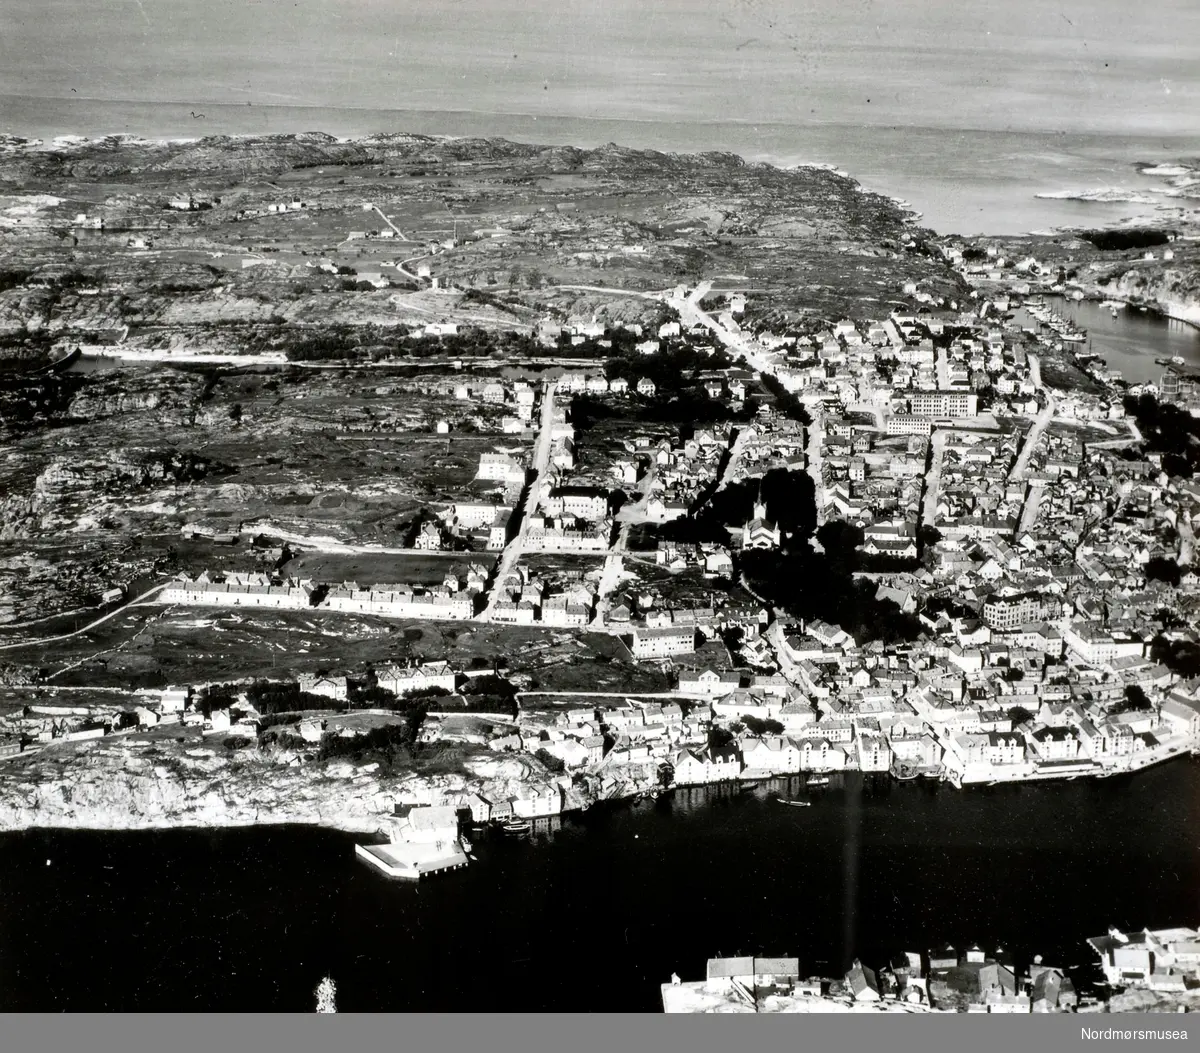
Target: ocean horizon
[(967, 112), (959, 180)]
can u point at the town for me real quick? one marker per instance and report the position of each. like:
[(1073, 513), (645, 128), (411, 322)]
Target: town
[(1029, 556), (1156, 970)]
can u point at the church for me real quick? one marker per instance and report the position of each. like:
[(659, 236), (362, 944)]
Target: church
[(760, 532)]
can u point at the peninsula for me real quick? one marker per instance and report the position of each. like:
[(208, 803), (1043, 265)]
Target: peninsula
[(349, 476)]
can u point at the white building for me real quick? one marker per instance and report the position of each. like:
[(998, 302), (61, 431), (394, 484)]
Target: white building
[(664, 642)]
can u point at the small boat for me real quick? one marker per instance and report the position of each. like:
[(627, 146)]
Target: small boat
[(517, 826), (795, 804), (819, 780)]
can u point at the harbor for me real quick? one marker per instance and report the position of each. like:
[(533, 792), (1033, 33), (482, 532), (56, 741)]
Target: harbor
[(1133, 342)]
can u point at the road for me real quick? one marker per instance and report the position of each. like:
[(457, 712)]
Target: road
[(933, 478), (815, 464), (1029, 512), (399, 232), (756, 358), (137, 600), (688, 309), (1040, 424), (610, 694), (611, 575), (612, 292), (458, 316), (402, 267), (1187, 540), (541, 458)]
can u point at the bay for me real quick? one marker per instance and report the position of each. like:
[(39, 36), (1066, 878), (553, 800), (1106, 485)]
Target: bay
[(594, 915)]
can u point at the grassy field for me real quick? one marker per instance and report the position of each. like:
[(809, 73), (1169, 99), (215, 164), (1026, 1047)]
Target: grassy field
[(416, 568), (560, 568), (151, 646)]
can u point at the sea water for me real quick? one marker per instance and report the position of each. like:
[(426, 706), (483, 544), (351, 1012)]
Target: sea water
[(596, 913)]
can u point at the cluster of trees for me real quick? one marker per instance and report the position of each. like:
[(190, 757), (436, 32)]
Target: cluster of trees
[(1168, 430), (810, 585), (1162, 569), (271, 697), (685, 408), (551, 762), (758, 726), (488, 694), (215, 696), (787, 403), (718, 737), (1136, 699), (386, 745), (806, 583), (357, 343), (332, 342), (1180, 656), (22, 338), (12, 278), (673, 367), (1129, 238), (474, 342), (789, 497), (489, 300)]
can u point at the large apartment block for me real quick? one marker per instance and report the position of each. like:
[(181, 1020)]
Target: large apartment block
[(662, 643), (943, 403), (1011, 612)]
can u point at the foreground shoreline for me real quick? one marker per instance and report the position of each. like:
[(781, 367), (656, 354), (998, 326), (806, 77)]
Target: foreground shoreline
[(117, 804)]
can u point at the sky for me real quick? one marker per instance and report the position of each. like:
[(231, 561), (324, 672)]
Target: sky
[(1107, 66)]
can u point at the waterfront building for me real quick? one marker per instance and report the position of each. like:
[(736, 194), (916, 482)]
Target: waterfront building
[(863, 983), (1164, 959)]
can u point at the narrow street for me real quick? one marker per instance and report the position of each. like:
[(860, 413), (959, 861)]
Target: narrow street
[(933, 477), (1029, 512), (1040, 424), (815, 463), (541, 458)]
